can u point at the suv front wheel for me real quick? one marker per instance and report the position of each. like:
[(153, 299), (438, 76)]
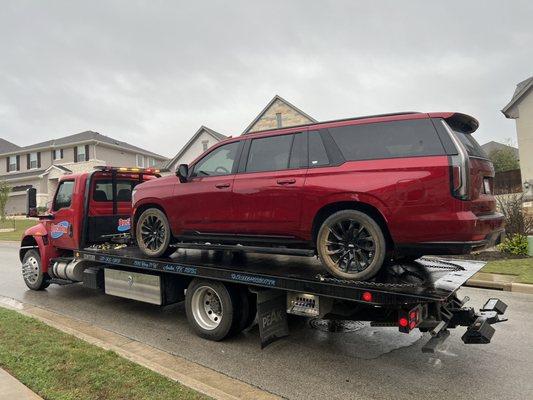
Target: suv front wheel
[(351, 245), (153, 234)]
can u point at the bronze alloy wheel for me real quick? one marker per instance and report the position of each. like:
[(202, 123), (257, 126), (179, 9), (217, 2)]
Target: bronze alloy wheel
[(351, 245), (153, 233)]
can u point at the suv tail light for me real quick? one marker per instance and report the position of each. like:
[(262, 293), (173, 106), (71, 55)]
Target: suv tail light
[(459, 168)]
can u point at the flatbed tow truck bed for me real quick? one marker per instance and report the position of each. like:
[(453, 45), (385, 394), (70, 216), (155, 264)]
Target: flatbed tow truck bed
[(419, 294)]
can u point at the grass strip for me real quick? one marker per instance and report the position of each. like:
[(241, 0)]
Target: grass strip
[(20, 226), (523, 268), (58, 366)]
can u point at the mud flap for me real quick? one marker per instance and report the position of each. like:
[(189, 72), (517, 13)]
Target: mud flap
[(271, 316)]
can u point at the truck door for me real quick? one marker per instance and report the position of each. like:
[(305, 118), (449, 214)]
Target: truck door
[(62, 231)]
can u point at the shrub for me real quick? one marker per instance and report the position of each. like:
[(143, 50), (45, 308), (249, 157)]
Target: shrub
[(517, 222), (515, 244)]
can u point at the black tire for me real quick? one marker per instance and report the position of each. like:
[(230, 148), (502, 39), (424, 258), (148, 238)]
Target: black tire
[(246, 310), (343, 249), (152, 233), (211, 309), (32, 273)]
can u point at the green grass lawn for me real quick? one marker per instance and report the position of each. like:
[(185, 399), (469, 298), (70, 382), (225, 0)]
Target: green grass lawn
[(522, 267), (58, 366), (20, 226)]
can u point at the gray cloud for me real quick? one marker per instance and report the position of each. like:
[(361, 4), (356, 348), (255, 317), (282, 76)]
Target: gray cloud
[(151, 72)]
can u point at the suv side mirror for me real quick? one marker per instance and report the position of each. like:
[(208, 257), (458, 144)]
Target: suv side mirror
[(31, 202), (182, 172)]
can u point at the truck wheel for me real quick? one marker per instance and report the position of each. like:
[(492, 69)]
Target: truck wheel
[(246, 310), (153, 233), (351, 245), (32, 272), (211, 309)]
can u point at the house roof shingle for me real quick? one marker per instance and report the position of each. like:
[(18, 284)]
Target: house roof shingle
[(6, 146), (521, 89), (81, 137)]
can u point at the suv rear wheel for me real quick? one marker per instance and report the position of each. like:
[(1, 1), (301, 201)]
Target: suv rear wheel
[(153, 233), (351, 245)]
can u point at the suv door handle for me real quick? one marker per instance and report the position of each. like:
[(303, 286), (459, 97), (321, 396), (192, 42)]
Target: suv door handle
[(286, 181), (222, 185)]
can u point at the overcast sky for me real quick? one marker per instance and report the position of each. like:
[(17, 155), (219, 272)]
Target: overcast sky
[(151, 72)]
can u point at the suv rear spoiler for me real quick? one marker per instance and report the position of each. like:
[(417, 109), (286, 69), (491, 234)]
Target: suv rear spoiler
[(462, 122)]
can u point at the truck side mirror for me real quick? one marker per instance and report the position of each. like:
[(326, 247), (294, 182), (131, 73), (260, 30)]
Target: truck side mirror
[(31, 202), (182, 172)]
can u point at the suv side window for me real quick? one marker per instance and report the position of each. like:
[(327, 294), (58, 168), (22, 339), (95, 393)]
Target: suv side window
[(269, 154), (64, 195), (218, 162), (409, 138), (317, 151)]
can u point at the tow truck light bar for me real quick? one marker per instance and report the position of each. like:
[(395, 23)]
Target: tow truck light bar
[(144, 171)]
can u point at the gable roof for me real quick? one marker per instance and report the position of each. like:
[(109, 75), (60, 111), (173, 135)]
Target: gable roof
[(521, 89), (86, 136), (264, 110), (493, 145), (61, 168), (6, 145), (216, 135)]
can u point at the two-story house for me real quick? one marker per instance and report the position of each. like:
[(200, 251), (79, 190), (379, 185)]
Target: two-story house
[(40, 165)]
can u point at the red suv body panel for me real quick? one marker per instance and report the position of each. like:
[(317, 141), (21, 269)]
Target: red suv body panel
[(411, 195)]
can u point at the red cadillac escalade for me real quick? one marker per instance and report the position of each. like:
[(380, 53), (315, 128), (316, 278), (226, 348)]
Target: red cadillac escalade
[(355, 192)]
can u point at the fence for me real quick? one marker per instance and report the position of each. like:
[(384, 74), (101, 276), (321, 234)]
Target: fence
[(508, 182)]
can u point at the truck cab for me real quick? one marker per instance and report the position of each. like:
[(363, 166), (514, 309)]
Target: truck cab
[(88, 208)]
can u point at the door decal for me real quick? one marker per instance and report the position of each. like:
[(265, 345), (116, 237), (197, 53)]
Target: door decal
[(59, 229), (124, 224)]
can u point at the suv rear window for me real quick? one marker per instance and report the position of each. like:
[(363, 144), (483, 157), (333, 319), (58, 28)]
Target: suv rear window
[(472, 146), (394, 139)]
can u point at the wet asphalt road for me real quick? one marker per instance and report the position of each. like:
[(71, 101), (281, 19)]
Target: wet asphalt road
[(370, 363)]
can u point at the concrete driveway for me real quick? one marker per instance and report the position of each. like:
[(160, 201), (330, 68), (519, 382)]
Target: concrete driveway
[(369, 363)]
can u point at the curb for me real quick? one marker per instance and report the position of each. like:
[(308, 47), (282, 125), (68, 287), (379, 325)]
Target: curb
[(195, 376), (505, 286)]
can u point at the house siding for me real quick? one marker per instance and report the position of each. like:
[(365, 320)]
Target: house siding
[(289, 117), (195, 150), (524, 128)]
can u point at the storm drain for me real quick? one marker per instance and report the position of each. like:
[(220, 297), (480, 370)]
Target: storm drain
[(336, 326)]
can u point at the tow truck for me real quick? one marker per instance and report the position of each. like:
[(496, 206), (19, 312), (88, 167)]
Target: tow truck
[(84, 239)]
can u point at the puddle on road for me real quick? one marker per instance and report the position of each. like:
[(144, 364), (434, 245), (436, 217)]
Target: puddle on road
[(358, 340)]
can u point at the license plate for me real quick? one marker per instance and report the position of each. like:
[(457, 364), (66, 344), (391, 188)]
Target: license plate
[(486, 186)]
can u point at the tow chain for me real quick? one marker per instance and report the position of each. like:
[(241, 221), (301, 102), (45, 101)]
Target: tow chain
[(434, 263)]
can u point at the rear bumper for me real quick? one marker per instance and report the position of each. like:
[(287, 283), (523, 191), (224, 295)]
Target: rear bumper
[(451, 247)]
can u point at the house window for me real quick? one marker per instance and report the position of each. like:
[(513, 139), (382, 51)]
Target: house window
[(58, 154), (205, 144), (150, 162), (140, 161), (81, 153), (12, 166), (33, 160), (278, 120)]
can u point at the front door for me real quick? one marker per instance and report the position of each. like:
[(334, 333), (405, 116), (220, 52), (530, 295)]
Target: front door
[(61, 228), (267, 194), (204, 203)]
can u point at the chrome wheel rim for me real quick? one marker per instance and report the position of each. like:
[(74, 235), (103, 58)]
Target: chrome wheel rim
[(31, 270), (207, 308), (153, 232), (350, 246)]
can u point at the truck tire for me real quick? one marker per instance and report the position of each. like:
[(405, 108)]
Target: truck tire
[(351, 245), (246, 310), (211, 309), (152, 233), (34, 277)]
